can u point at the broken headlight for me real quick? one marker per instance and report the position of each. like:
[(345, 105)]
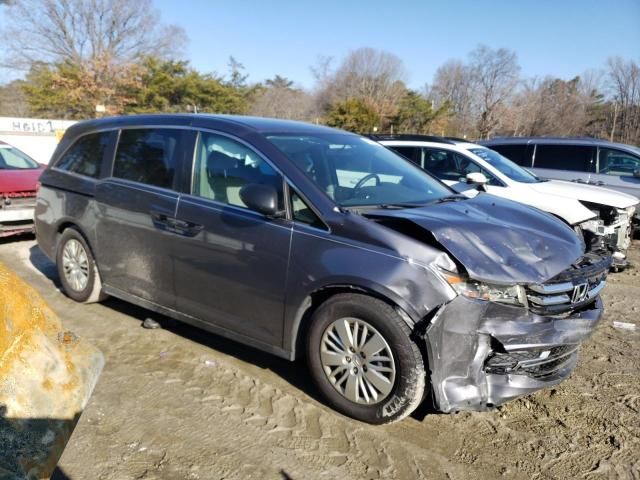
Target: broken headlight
[(510, 294)]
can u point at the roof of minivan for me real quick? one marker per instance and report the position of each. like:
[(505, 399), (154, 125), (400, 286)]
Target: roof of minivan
[(258, 124), (556, 140)]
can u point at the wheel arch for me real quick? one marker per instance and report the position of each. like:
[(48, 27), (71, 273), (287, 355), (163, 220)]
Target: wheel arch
[(70, 223), (306, 309)]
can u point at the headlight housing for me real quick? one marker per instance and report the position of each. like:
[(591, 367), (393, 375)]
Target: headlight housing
[(509, 294)]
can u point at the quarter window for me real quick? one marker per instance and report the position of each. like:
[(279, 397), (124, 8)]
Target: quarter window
[(85, 156), (223, 166), (148, 156), (303, 213), (617, 162), (577, 158)]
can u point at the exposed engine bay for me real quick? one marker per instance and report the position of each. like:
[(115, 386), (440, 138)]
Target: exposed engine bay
[(610, 231)]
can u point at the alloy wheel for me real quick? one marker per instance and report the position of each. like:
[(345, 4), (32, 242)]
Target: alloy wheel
[(75, 264), (358, 361)]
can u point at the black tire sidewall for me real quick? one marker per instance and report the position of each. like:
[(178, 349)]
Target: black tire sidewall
[(82, 296), (408, 360)]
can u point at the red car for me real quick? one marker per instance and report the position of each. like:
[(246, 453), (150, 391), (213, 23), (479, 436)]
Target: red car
[(18, 178)]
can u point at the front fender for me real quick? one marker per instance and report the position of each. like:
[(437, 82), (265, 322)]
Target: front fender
[(339, 266)]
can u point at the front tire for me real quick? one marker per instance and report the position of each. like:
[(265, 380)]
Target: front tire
[(77, 268), (363, 360)]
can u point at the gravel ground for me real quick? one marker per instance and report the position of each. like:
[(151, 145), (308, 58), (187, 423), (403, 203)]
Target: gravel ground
[(180, 403)]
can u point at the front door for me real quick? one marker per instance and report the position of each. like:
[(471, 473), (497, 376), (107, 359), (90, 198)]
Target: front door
[(231, 270)]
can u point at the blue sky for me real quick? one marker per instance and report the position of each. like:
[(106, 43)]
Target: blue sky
[(558, 37)]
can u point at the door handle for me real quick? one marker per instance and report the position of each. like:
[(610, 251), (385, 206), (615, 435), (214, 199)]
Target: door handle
[(183, 227), (160, 220)]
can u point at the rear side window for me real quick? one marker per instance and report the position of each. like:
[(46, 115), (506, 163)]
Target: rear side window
[(578, 158), (148, 156), (617, 162), (85, 156), (515, 153)]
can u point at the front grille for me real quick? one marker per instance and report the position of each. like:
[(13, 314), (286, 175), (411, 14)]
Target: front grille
[(534, 363), (573, 289)]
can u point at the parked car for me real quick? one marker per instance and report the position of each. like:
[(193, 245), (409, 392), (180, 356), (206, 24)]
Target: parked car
[(602, 216), (18, 179), (394, 287), (580, 160)]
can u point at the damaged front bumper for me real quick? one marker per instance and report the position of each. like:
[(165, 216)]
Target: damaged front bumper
[(483, 354)]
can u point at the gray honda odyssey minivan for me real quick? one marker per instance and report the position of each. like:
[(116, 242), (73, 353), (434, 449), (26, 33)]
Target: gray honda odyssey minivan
[(305, 241)]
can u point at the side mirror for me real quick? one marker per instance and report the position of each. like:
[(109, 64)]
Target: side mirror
[(261, 198), (476, 178), (636, 173)]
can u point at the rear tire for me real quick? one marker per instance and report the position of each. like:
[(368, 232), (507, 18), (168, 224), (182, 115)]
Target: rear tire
[(77, 269), (363, 360)]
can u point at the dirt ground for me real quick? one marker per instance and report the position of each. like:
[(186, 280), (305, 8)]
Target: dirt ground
[(179, 403)]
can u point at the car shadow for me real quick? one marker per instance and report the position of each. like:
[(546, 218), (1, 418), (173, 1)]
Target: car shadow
[(295, 373), (45, 266), (16, 238)]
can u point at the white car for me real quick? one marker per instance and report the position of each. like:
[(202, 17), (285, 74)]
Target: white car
[(603, 216)]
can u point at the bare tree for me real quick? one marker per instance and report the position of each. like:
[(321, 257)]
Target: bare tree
[(372, 76), (281, 99), (453, 87), (322, 71), (12, 100), (80, 32), (495, 76), (551, 106), (624, 87), (87, 46)]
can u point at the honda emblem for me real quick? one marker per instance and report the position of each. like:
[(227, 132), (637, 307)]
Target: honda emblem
[(580, 293)]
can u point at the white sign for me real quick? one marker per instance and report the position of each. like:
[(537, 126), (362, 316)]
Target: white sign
[(32, 126)]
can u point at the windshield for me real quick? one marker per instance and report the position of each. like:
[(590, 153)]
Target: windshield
[(355, 171), (506, 166), (13, 159)]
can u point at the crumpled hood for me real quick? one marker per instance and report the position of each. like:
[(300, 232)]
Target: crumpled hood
[(497, 240), (586, 193)]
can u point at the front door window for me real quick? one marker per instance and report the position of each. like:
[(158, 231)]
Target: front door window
[(223, 166)]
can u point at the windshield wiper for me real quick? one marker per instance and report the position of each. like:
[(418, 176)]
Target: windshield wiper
[(449, 198), (373, 206), (399, 205)]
